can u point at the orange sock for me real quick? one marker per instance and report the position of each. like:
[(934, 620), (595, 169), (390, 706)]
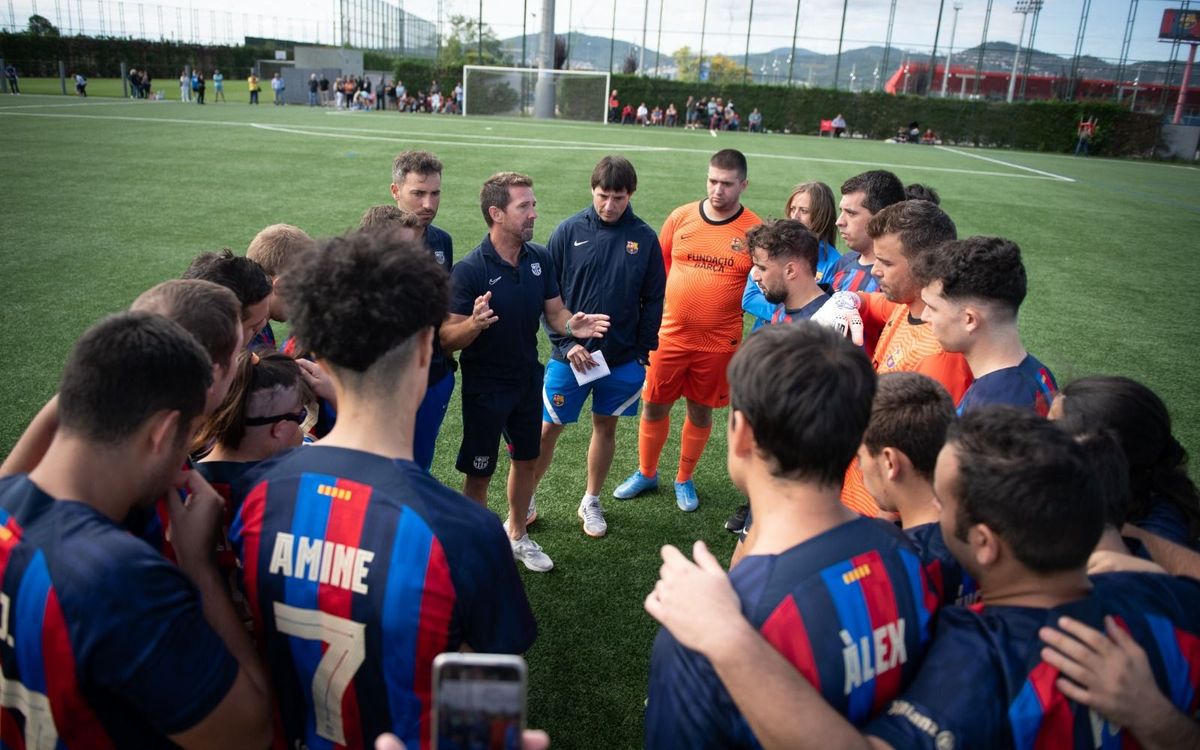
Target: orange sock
[(652, 436), (691, 446)]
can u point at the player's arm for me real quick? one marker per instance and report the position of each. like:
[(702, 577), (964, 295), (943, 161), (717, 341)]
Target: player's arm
[(575, 325), (1109, 672), (470, 310), (1175, 559), (698, 605), (654, 285), (664, 242), (242, 718), (34, 442)]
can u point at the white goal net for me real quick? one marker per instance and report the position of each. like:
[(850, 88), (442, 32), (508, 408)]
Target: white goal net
[(524, 92)]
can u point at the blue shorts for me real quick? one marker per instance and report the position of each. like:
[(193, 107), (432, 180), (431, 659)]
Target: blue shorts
[(430, 416), (616, 394)]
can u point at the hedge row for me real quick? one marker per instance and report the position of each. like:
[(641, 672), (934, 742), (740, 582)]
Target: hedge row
[(1033, 126), (101, 57)]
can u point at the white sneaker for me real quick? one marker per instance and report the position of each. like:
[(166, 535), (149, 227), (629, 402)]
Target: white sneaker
[(592, 516), (529, 552)]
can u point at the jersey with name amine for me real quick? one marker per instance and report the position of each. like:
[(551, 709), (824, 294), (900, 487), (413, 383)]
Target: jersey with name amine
[(506, 353), (849, 609), (1029, 385), (983, 683), (616, 269), (359, 570), (851, 275), (946, 575), (103, 641)]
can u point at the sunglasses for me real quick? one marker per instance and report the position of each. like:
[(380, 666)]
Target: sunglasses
[(297, 417)]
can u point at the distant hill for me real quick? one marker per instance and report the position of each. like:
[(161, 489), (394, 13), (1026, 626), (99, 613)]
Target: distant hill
[(590, 52)]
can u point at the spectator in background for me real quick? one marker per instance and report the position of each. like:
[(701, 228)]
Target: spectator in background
[(643, 115), (381, 93), (458, 97), (185, 87), (14, 84), (656, 116), (434, 88), (218, 85), (339, 91), (755, 121), (254, 87), (1086, 131), (135, 86), (401, 96), (314, 86), (199, 86), (672, 115), (323, 87), (614, 106), (839, 125), (80, 85), (278, 87), (435, 102), (627, 115)]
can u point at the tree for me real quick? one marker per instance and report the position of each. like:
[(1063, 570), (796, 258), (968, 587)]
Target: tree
[(41, 26), (462, 45), (685, 63), (630, 65)]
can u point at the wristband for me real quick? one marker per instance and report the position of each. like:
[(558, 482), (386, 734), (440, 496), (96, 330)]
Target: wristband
[(569, 328)]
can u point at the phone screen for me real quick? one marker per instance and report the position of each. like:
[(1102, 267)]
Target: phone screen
[(480, 706)]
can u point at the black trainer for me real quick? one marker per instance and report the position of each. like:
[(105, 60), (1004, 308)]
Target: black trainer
[(735, 523)]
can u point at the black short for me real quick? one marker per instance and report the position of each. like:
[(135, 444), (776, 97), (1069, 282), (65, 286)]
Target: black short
[(515, 414)]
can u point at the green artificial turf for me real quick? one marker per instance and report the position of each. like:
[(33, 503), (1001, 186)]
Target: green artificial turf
[(105, 197)]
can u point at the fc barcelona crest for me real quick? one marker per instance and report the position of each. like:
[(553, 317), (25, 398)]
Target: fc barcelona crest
[(738, 245), (536, 268), (440, 257), (631, 247)]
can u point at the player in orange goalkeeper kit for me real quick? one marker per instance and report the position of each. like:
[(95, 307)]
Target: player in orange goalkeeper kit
[(902, 232), (707, 259)]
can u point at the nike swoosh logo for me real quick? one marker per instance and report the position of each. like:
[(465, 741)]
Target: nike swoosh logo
[(493, 281), (577, 244)]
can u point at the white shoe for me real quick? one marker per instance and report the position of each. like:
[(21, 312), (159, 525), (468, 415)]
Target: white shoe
[(529, 552), (592, 516)]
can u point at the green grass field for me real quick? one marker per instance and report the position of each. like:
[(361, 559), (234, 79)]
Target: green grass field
[(105, 197)]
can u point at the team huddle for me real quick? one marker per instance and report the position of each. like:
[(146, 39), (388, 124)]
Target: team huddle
[(210, 537)]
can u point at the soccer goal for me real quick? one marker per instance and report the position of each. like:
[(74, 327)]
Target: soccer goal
[(522, 92)]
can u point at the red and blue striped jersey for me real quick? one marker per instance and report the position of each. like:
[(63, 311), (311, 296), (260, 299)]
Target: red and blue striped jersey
[(359, 570), (1029, 385), (946, 576), (849, 275), (983, 683), (102, 641), (849, 609)]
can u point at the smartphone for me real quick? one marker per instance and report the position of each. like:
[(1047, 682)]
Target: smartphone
[(478, 701)]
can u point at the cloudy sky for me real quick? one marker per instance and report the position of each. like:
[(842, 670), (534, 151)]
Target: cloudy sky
[(866, 21)]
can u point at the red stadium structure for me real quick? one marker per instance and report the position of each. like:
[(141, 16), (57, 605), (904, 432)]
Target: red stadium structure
[(1146, 97)]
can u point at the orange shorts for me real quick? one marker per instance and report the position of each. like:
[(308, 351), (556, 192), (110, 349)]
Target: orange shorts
[(697, 376)]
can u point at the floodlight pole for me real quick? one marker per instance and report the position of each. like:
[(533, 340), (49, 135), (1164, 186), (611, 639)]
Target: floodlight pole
[(1125, 42), (1024, 7), (837, 67), (612, 41), (524, 33), (746, 61), (658, 44), (642, 52), (1083, 19), (950, 52), (887, 44), (987, 17), (933, 55), (795, 31), (1183, 85), (703, 28)]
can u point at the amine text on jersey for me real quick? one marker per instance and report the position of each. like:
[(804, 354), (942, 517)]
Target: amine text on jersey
[(1029, 385), (707, 262), (103, 641), (360, 570), (615, 269), (849, 609), (983, 683), (505, 355)]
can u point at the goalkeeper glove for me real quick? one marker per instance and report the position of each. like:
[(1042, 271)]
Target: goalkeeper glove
[(840, 312)]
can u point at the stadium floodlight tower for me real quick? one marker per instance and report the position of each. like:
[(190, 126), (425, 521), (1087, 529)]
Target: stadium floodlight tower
[(1024, 7)]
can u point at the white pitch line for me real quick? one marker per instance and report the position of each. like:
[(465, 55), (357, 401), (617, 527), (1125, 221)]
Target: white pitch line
[(118, 103), (1005, 163), (349, 133)]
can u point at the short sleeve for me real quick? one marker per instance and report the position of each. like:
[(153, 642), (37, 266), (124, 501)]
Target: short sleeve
[(956, 700), (155, 635), (549, 276), (463, 288)]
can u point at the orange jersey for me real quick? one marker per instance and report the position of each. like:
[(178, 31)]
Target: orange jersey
[(707, 263), (904, 345)]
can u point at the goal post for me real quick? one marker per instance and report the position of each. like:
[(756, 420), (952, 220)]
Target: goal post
[(514, 92)]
